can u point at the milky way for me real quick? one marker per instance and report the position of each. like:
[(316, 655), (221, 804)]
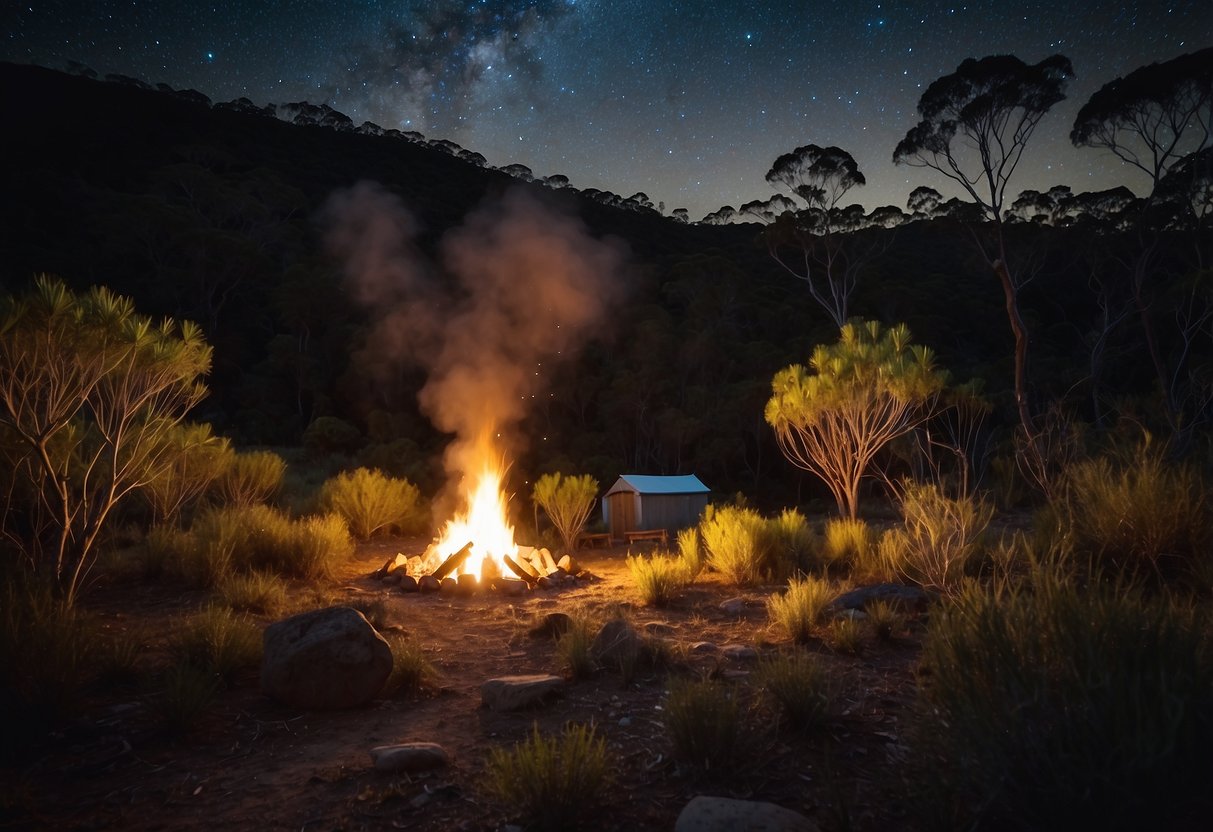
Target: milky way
[(688, 102)]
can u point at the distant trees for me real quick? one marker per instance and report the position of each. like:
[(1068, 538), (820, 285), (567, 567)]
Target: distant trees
[(834, 416), (976, 124), (90, 396), (826, 260)]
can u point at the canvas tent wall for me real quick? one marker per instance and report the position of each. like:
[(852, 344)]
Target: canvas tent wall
[(641, 501)]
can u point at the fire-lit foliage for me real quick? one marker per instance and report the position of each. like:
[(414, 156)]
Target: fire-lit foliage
[(567, 501), (1059, 705), (372, 502)]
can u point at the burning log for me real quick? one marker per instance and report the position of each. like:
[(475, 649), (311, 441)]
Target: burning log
[(453, 562), (489, 571), (522, 569)]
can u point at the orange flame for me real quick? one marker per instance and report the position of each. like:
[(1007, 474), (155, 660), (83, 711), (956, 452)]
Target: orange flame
[(484, 524)]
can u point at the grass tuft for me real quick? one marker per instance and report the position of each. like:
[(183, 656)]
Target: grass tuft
[(219, 641), (263, 593), (660, 577), (553, 783), (411, 670), (941, 538), (703, 718), (798, 610), (799, 684)]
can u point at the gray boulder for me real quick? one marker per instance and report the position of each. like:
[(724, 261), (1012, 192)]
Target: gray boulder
[(409, 757), (723, 814), (510, 693), (324, 660), (899, 595)]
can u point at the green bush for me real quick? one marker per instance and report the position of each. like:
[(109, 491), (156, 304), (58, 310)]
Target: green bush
[(941, 538), (195, 458), (690, 550), (371, 502), (884, 618), (704, 721), (798, 683), (737, 542), (322, 543), (220, 642), (46, 650), (1138, 511), (258, 592), (792, 543), (328, 434), (849, 543), (567, 501), (845, 635), (659, 577), (1058, 707), (798, 610), (553, 783), (251, 477), (410, 668)]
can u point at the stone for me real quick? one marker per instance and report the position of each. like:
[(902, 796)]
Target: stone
[(900, 595), (723, 814), (660, 628), (739, 652), (509, 586), (428, 583), (408, 583), (325, 659), (704, 647), (448, 586), (733, 606), (616, 643), (511, 693), (850, 614), (552, 625), (409, 757), (467, 584)]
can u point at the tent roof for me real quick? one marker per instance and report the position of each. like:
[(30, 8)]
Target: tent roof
[(648, 484)]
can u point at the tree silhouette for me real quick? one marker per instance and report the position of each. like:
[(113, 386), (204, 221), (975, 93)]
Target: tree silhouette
[(826, 260), (976, 124)]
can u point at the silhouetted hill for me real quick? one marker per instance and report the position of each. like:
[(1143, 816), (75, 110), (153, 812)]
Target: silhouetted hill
[(210, 213)]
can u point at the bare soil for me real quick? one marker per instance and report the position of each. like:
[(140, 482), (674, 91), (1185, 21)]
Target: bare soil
[(252, 764)]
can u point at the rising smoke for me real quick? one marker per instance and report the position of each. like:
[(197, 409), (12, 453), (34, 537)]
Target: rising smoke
[(528, 286)]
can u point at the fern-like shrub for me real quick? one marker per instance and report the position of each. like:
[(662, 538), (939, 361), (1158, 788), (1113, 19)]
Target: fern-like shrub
[(940, 540)]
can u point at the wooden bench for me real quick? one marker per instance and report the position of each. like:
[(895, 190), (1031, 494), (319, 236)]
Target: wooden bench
[(592, 540), (657, 535)]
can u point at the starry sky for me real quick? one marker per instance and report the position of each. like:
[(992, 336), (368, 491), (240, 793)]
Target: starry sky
[(689, 102)]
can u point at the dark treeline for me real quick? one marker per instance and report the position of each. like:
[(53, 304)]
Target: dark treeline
[(211, 213)]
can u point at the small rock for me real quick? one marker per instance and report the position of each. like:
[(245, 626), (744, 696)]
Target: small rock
[(906, 597), (625, 721), (448, 586), (551, 625), (510, 693), (408, 583), (544, 582), (409, 757), (659, 628), (723, 814), (428, 583), (467, 584), (510, 586), (704, 647), (739, 652), (733, 606), (853, 615)]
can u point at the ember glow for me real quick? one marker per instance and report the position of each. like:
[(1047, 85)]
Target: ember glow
[(483, 523)]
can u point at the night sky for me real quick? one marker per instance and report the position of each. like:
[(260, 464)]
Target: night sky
[(689, 102)]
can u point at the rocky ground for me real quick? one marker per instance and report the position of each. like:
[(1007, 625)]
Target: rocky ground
[(253, 764)]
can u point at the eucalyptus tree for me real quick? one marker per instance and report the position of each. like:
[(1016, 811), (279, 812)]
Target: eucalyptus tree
[(833, 416), (975, 126)]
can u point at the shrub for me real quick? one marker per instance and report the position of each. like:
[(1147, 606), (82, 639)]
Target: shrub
[(410, 668), (567, 501), (552, 782), (1060, 707), (659, 577), (322, 542), (793, 544), (45, 652), (188, 691), (940, 539), (690, 550), (220, 642), (328, 434), (1137, 512), (703, 718), (251, 477), (798, 610), (371, 502), (573, 646), (736, 541), (884, 618), (195, 458), (845, 635), (257, 592), (799, 685), (848, 542)]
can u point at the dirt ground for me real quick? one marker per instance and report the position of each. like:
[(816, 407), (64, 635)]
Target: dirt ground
[(253, 765)]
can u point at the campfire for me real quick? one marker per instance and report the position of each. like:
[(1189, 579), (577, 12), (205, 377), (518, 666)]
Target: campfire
[(476, 550)]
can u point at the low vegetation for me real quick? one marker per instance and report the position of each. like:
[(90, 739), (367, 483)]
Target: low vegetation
[(372, 502), (660, 577), (940, 539), (703, 718), (800, 687), (552, 783), (798, 610)]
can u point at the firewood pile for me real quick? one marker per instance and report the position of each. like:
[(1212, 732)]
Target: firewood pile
[(528, 569)]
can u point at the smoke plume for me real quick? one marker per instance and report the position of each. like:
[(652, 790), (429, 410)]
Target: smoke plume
[(518, 287)]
